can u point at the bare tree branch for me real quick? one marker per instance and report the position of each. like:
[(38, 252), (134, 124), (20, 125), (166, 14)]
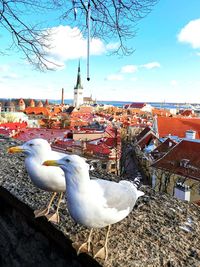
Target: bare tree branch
[(32, 40), (110, 20)]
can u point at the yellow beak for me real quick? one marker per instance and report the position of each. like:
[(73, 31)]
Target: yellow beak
[(50, 163), (15, 149)]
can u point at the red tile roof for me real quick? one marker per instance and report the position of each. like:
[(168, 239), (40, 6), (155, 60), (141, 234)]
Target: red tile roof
[(143, 133), (86, 109), (13, 125), (135, 105), (98, 149), (146, 140), (183, 159), (163, 148), (160, 112), (37, 111), (177, 126), (48, 134), (187, 112)]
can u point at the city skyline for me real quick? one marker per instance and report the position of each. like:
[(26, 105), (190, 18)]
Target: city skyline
[(164, 66)]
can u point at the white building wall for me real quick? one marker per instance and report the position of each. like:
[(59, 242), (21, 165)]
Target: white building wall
[(78, 97), (182, 193)]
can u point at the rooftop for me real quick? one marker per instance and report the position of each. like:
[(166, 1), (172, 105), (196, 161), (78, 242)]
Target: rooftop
[(183, 159), (177, 126)]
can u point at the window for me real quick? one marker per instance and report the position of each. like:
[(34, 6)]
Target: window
[(113, 166), (103, 166), (94, 164)]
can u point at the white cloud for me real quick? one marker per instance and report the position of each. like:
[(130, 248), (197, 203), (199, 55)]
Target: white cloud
[(114, 77), (7, 74), (10, 76), (134, 79), (112, 46), (68, 43), (174, 83), (151, 65), (4, 68), (191, 33), (129, 69)]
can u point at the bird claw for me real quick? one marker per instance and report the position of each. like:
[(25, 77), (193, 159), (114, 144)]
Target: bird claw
[(55, 218), (102, 253), (84, 248), (39, 213)]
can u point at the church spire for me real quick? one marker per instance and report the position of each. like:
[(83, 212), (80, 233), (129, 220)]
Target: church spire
[(78, 90), (78, 83)]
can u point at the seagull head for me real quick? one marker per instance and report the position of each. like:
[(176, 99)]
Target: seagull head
[(70, 164), (32, 147)]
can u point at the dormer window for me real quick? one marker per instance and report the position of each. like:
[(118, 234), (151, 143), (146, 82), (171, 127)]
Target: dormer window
[(184, 163)]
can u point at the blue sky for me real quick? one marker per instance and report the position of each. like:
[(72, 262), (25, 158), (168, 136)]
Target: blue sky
[(164, 67)]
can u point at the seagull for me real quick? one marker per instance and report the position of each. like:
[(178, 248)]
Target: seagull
[(48, 179), (95, 203)]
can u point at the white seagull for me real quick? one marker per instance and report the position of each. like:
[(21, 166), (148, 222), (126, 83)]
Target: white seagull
[(95, 203), (49, 179)]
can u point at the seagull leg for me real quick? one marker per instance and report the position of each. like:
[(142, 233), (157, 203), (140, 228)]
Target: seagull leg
[(103, 252), (43, 212), (85, 247), (55, 216)]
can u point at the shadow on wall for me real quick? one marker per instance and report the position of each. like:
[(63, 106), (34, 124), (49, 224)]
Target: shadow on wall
[(23, 243)]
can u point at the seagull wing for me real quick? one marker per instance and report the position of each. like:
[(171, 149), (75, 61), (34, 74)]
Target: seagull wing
[(120, 196)]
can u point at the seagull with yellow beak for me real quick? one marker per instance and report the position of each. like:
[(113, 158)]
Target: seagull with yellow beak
[(95, 203), (48, 179)]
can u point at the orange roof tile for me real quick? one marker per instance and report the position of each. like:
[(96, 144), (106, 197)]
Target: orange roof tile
[(177, 126), (160, 112), (13, 125), (37, 111)]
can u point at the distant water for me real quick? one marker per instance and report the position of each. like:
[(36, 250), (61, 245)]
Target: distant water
[(163, 105), (122, 103)]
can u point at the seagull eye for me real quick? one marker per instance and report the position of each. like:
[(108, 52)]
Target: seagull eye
[(30, 144), (67, 160)]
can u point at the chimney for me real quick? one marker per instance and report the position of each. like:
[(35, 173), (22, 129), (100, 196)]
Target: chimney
[(182, 191), (190, 134), (62, 97)]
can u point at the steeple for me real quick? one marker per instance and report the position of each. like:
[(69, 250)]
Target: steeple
[(78, 90), (78, 83)]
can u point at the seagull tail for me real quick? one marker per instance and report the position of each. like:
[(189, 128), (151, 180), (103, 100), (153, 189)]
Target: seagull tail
[(140, 193), (136, 182)]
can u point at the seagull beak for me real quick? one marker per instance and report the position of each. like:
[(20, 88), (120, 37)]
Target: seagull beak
[(50, 163), (15, 149)]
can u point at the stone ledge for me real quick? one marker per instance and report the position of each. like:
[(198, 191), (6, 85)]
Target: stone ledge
[(158, 231)]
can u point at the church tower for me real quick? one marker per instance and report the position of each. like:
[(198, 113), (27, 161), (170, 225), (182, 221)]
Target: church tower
[(21, 105), (78, 90)]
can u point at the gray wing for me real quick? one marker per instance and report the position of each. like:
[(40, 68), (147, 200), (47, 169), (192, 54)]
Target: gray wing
[(118, 195)]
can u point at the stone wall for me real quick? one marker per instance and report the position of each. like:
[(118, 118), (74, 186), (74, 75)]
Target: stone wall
[(160, 231), (23, 244)]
